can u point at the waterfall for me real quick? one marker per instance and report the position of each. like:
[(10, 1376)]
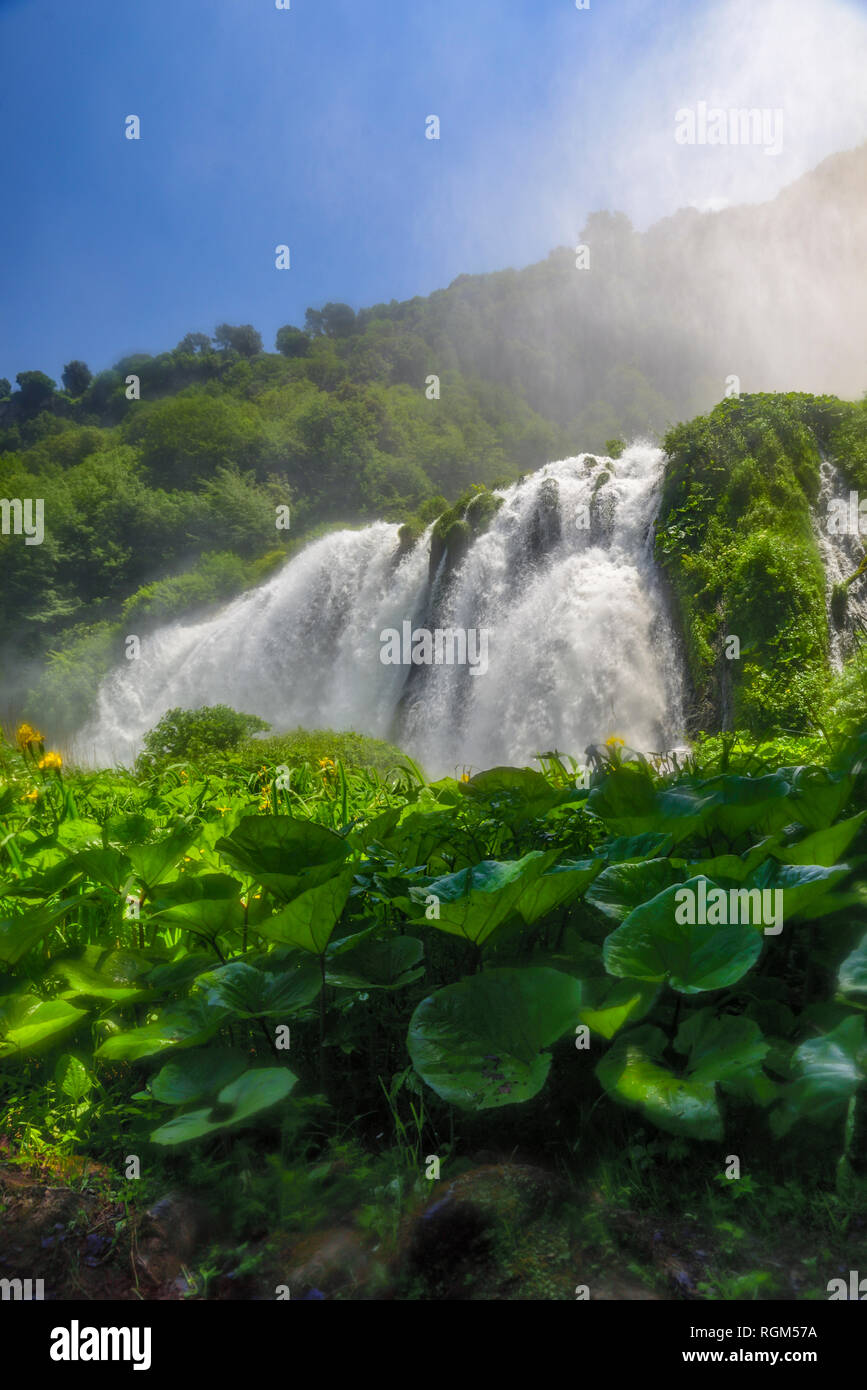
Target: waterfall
[(842, 551), (562, 584)]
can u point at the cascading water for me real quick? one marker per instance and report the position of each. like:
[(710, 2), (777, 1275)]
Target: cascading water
[(842, 550), (562, 582)]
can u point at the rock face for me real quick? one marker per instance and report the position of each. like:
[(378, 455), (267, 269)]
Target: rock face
[(492, 1233), (171, 1232)]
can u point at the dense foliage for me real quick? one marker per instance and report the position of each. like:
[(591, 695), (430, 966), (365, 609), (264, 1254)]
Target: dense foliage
[(185, 480), (187, 956), (736, 537)]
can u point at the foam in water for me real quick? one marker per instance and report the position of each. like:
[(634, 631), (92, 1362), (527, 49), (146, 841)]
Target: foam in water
[(580, 645)]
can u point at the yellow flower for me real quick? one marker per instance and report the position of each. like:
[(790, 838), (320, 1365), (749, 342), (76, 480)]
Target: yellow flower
[(222, 809), (27, 735), (326, 762), (465, 777), (31, 796), (614, 742), (52, 762)]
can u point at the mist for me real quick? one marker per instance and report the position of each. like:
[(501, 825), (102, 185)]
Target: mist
[(747, 263)]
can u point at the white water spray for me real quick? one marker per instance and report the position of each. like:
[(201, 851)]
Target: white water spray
[(842, 553), (580, 645)]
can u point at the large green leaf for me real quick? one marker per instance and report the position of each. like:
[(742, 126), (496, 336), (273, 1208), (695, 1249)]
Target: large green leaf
[(37, 1022), (107, 867), (184, 1025), (101, 974), (240, 1101), (196, 1074), (817, 796), (251, 993), (805, 888), (479, 1043), (564, 883), (622, 849), (389, 964), (308, 920), (652, 945), (734, 867), (622, 887), (284, 853), (853, 972), (721, 1048), (477, 900), (20, 933), (72, 1078), (829, 1071), (194, 888), (420, 834), (607, 1005), (152, 863), (515, 794), (206, 917), (630, 804), (632, 1072), (826, 847), (747, 802)]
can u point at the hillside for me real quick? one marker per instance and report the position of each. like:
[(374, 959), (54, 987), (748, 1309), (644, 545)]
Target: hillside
[(161, 475)]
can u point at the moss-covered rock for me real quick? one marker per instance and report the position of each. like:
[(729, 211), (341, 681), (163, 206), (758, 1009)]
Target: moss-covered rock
[(456, 528), (735, 539)]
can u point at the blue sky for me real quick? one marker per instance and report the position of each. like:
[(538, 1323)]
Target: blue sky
[(306, 126)]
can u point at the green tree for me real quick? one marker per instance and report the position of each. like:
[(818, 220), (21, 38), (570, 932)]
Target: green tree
[(292, 342), (37, 391), (244, 339), (76, 377), (332, 320), (193, 343), (187, 437), (187, 733)]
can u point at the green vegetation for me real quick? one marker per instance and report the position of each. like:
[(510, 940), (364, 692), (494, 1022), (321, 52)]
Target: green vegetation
[(215, 967), (736, 540), (166, 506), (184, 482), (190, 735)]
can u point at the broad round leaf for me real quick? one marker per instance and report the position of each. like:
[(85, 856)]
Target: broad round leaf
[(241, 1100), (479, 1043), (724, 1048), (632, 1073), (251, 993), (196, 1074), (309, 919), (831, 1069), (38, 1022), (473, 902), (652, 945), (387, 964)]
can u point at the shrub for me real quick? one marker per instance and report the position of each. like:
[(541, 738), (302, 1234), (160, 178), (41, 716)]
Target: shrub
[(196, 734)]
